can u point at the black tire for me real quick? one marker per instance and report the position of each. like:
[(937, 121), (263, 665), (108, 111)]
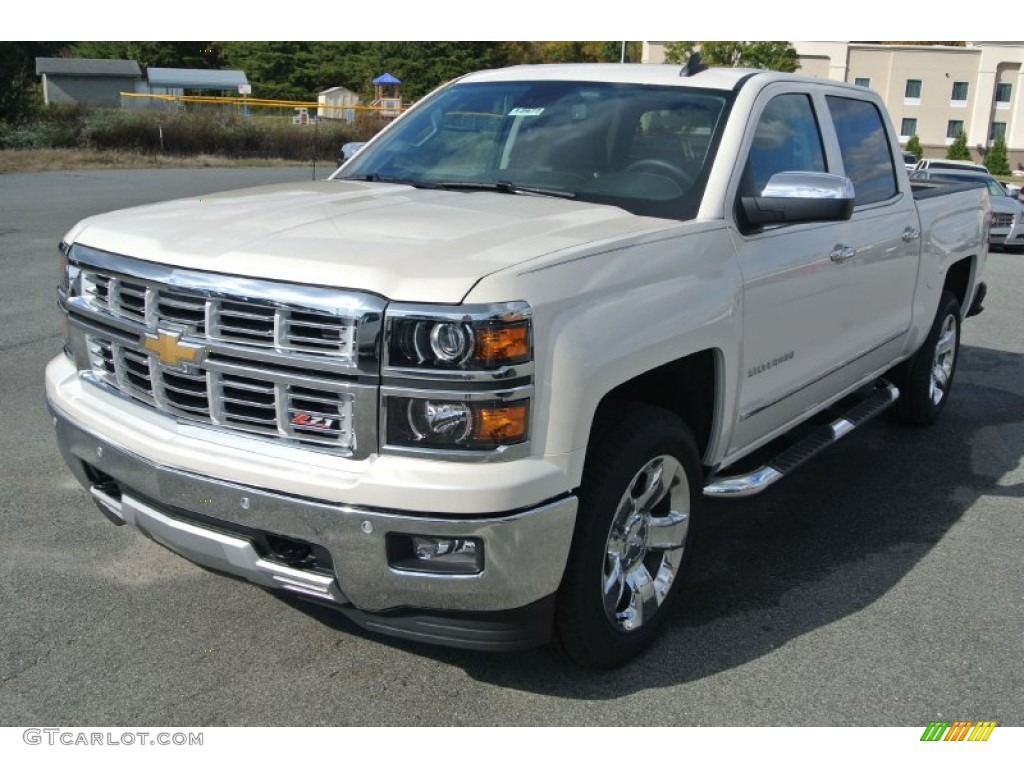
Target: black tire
[(926, 379), (642, 470)]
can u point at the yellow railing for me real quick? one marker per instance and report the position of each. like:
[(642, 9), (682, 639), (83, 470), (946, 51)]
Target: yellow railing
[(249, 101)]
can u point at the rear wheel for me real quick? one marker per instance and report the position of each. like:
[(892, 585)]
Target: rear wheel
[(925, 380), (640, 489)]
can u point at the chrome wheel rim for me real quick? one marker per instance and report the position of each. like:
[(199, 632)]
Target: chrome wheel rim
[(645, 543), (942, 364)]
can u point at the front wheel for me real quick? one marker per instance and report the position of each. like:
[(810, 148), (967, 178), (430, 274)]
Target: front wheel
[(641, 486), (925, 380)]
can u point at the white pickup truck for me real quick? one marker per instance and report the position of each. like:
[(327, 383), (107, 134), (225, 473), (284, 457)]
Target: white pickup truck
[(472, 389)]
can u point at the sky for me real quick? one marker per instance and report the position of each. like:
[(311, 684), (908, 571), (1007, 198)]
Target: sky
[(483, 20)]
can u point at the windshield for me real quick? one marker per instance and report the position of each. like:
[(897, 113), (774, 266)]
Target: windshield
[(646, 149)]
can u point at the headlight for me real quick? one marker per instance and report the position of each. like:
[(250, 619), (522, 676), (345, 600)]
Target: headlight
[(442, 423), (67, 280), (457, 381), (459, 338), (68, 274)]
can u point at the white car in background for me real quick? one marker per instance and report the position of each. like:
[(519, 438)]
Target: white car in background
[(937, 164), (1007, 229)]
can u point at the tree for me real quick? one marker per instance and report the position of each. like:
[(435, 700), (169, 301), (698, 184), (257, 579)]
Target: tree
[(299, 70), (996, 160), (184, 54), (565, 51), (762, 54), (20, 91), (958, 149), (914, 147)]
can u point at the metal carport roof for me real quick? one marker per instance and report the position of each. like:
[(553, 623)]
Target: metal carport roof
[(198, 79), (87, 67)]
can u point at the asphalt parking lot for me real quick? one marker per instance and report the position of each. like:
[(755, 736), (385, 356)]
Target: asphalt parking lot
[(880, 585)]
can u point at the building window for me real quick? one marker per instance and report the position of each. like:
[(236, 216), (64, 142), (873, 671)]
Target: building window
[(908, 127), (1003, 91), (996, 131), (953, 129), (912, 93), (864, 82), (959, 95)]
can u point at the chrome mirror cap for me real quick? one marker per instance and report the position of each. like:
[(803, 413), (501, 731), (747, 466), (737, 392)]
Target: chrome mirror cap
[(809, 185)]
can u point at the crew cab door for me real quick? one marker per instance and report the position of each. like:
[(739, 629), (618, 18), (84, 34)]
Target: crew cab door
[(796, 298), (883, 236), (825, 304)]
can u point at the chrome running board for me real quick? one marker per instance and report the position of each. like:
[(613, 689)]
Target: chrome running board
[(751, 483)]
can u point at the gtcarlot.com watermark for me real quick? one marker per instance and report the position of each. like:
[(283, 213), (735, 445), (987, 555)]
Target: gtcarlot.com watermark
[(71, 737)]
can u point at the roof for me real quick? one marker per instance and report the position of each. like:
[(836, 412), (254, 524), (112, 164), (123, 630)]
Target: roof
[(336, 89), (199, 79), (654, 74), (88, 67), (387, 79)]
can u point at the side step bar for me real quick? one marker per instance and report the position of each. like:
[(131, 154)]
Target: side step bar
[(740, 486)]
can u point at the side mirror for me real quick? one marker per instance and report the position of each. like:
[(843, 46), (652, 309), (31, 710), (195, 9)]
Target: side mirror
[(349, 150), (801, 196)]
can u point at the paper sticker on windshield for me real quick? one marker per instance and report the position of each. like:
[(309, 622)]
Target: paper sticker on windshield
[(526, 111)]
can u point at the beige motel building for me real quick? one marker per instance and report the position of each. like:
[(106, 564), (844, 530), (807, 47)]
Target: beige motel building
[(934, 91)]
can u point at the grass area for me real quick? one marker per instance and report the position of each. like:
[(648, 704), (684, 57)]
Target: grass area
[(33, 160)]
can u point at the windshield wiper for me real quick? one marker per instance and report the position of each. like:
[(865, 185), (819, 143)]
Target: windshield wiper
[(506, 187), (419, 184)]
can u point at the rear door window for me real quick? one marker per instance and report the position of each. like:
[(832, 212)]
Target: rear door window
[(864, 145)]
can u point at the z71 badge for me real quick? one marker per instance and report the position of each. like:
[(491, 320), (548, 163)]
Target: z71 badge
[(313, 422)]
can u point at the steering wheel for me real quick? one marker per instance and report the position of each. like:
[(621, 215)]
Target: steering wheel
[(657, 165)]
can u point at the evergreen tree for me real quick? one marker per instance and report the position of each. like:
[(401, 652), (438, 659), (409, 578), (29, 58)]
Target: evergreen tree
[(958, 149), (184, 54), (761, 54), (914, 147), (21, 93), (996, 161)]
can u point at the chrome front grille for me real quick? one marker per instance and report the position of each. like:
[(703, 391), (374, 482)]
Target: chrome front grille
[(311, 412), (219, 318), (283, 361), (182, 308), (1002, 220)]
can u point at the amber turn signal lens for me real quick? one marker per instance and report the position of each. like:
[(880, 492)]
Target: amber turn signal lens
[(510, 343), (500, 423)]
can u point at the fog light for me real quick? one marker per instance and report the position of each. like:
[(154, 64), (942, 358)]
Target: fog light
[(435, 554), (430, 547)]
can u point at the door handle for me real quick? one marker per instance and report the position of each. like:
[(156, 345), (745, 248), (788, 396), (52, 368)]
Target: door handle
[(911, 233), (842, 253)]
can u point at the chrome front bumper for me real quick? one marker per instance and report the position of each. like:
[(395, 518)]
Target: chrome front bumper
[(524, 552)]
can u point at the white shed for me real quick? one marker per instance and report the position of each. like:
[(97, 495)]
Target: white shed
[(337, 104)]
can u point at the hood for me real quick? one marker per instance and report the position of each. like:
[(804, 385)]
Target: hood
[(402, 243), (1001, 204)]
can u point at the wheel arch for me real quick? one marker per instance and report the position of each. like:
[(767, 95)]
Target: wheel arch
[(689, 387), (958, 281)]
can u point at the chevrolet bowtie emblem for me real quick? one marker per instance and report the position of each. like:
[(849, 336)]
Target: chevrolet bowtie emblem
[(169, 349)]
